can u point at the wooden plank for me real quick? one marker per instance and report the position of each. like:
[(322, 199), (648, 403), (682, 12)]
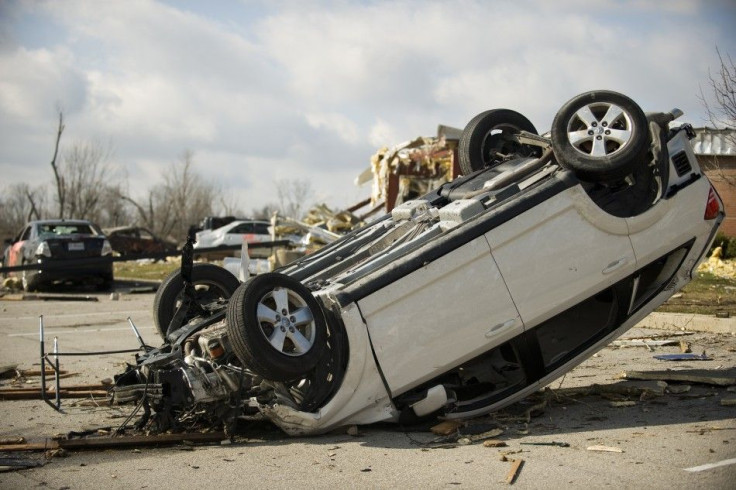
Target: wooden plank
[(36, 394), (701, 376), (119, 442), (514, 471)]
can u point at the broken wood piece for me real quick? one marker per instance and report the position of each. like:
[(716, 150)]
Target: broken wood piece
[(119, 442), (685, 347), (602, 448), (37, 372), (644, 343), (728, 402), (514, 471), (715, 377), (74, 391), (7, 441), (622, 404), (486, 435), (446, 427), (494, 443)]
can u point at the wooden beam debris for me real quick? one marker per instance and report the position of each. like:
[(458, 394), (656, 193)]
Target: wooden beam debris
[(514, 471), (119, 442), (715, 377)]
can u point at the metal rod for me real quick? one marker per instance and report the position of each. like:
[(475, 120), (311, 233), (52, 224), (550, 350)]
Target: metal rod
[(137, 334), (43, 359), (56, 373)]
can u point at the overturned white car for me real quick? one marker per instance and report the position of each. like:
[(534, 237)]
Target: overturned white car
[(455, 304)]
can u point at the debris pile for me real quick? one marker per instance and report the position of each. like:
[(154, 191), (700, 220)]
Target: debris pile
[(409, 170), (717, 266)]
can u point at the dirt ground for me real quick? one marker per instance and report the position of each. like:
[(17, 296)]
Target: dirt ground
[(652, 435)]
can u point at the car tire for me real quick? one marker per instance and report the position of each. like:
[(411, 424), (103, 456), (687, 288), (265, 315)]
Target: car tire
[(601, 136), (276, 326), (28, 280), (482, 138), (106, 283), (210, 281)]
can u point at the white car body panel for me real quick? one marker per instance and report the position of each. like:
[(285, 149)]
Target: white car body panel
[(361, 399), (408, 321), (548, 271)]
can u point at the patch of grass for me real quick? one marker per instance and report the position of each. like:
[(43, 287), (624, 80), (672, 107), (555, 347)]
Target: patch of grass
[(707, 294), (156, 271)]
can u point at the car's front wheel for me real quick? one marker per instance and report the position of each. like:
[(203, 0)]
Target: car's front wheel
[(277, 328), (601, 136)]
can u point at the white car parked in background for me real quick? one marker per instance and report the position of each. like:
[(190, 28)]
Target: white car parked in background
[(234, 234), (458, 303)]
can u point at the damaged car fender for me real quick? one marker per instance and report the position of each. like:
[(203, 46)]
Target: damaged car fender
[(361, 399)]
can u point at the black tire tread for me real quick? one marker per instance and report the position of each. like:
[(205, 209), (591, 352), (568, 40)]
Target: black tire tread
[(471, 142), (166, 295)]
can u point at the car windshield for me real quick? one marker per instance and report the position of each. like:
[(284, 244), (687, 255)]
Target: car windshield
[(49, 230)]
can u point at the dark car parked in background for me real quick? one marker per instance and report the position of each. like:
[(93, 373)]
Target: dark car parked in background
[(127, 240), (52, 244)]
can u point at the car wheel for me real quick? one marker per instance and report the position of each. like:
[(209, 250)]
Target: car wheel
[(28, 279), (106, 283), (601, 136), (484, 138), (276, 327), (211, 283)]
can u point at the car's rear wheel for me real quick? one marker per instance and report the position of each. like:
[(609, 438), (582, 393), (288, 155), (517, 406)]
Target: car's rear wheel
[(211, 283), (601, 136), (277, 328), (28, 279), (485, 141)]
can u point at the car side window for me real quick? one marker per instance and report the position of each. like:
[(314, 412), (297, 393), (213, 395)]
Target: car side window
[(26, 234), (262, 229), (242, 228)]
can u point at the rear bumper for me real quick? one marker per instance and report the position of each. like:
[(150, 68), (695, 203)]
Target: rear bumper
[(57, 270)]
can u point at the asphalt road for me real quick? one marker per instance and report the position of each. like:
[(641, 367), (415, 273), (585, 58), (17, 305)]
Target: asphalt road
[(660, 438)]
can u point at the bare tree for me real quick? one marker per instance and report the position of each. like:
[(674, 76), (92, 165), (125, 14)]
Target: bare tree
[(294, 196), (265, 211), (60, 189), (20, 203), (722, 108), (86, 176), (182, 200), (720, 105)]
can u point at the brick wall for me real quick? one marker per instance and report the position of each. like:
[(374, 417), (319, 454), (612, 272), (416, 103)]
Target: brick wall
[(724, 180)]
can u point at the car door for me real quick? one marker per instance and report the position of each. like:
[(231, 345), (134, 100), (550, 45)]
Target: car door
[(16, 249), (439, 316), (238, 234), (560, 253)]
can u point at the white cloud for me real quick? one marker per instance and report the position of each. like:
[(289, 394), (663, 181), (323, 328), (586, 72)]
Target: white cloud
[(264, 90), (338, 124)]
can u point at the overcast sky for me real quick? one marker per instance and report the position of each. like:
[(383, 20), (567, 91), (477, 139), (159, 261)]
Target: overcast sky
[(267, 90)]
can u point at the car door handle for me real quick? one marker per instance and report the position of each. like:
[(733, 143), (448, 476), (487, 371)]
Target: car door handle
[(496, 329), (615, 265)]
